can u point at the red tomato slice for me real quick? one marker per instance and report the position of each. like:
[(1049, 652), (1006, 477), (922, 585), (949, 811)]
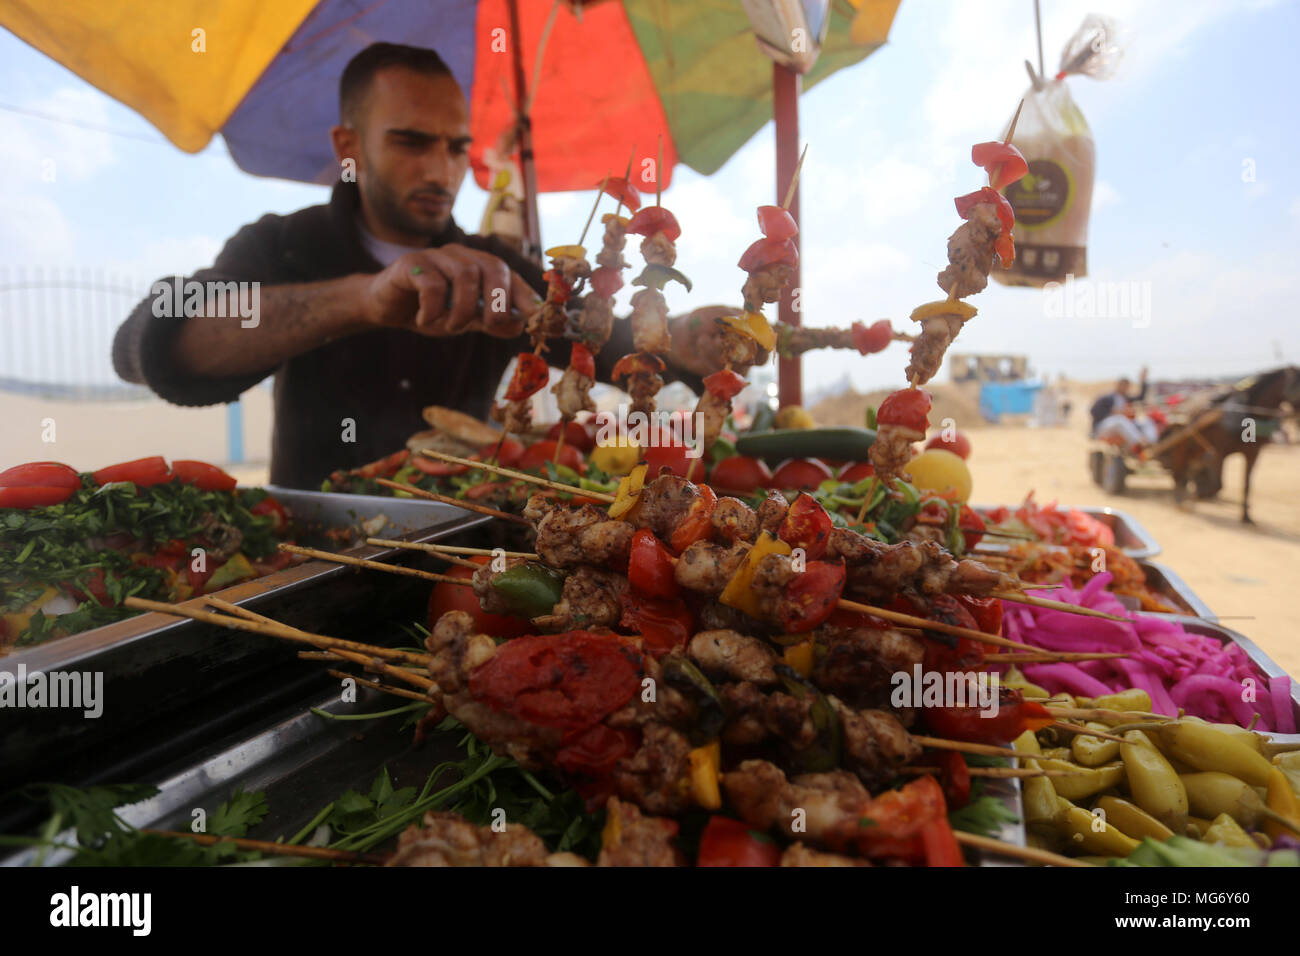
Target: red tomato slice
[(596, 750), (954, 776), (456, 597), (531, 375), (807, 526), (439, 469), (636, 362), (650, 567), (811, 597), (672, 457), (971, 525), (623, 191), (142, 472), (769, 252), (33, 497), (876, 337), (204, 476), (275, 511), (907, 408), (505, 453), (698, 523), (727, 842), (800, 474), (777, 223), (959, 445), (537, 454), (652, 219), (1004, 163), (725, 384), (740, 473), (40, 474), (575, 434), (855, 472), (664, 625), (1006, 215)]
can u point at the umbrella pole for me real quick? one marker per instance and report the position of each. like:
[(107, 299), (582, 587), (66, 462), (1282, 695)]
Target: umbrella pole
[(524, 126), (785, 111)]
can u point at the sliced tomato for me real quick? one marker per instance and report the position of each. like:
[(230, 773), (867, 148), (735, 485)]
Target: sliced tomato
[(741, 474), (531, 375), (954, 776), (568, 681), (623, 191), (665, 625), (869, 339), (855, 472), (203, 476), (652, 219), (596, 750), (1004, 163), (971, 525), (456, 597), (672, 457), (40, 474), (727, 842), (800, 474), (33, 497), (385, 467), (485, 489), (698, 523), (505, 453), (807, 526), (811, 597), (725, 384), (1014, 715), (906, 408), (605, 282), (774, 222), (537, 454), (987, 612), (637, 362), (575, 434), (895, 820), (143, 472), (272, 509), (198, 579), (581, 360), (939, 844), (650, 567), (769, 252), (437, 468)]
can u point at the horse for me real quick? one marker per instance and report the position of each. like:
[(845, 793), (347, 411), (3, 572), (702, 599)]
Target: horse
[(1247, 416)]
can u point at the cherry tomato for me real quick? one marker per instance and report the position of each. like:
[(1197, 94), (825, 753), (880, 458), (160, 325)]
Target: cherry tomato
[(768, 252), (271, 508), (1013, 717), (907, 407), (575, 434), (807, 526), (872, 338), (811, 597), (800, 474), (698, 523), (727, 842), (505, 453), (622, 190), (143, 472), (971, 525), (531, 375), (959, 444), (725, 384), (650, 567), (855, 472), (21, 497), (537, 454), (741, 474), (569, 681), (954, 776), (776, 223), (665, 625), (203, 476), (40, 474), (652, 219), (987, 612), (581, 360), (673, 457), (456, 597), (605, 281)]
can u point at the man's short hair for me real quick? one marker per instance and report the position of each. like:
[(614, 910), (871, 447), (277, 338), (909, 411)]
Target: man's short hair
[(361, 70)]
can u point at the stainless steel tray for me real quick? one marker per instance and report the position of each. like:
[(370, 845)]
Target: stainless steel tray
[(1174, 589), (1130, 537)]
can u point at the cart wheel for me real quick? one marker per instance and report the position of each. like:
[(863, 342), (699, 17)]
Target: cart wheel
[(1113, 475), (1096, 465)]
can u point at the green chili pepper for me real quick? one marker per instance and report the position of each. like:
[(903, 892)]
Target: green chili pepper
[(530, 590), (687, 678), (825, 752)]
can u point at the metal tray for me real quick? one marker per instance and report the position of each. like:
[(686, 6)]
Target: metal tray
[(1130, 537), (1174, 589), (154, 665)]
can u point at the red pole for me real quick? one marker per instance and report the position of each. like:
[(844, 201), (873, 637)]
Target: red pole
[(524, 137), (785, 110)]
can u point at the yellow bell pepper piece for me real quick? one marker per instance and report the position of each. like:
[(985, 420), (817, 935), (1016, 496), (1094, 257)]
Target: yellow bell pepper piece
[(755, 325), (705, 768), (933, 310), (799, 657), (20, 620), (617, 459), (605, 219), (629, 491), (737, 593), (573, 252)]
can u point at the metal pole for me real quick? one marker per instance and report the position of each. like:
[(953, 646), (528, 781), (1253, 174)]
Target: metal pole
[(524, 136), (785, 110)]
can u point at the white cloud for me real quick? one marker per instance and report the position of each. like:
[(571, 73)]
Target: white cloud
[(36, 151), (35, 229), (1104, 194)]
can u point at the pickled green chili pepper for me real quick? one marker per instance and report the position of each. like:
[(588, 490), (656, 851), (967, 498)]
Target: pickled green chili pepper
[(530, 590)]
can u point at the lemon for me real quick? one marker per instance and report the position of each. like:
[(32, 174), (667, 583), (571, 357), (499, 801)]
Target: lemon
[(938, 471)]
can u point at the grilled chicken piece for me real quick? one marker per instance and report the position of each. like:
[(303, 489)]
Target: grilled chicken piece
[(631, 839), (875, 743), (937, 334), (765, 285), (612, 243), (515, 417), (570, 536), (891, 452), (658, 250), (572, 393), (858, 664), (772, 512), (711, 413), (830, 804), (797, 854), (447, 839), (705, 567), (970, 253), (596, 321), (652, 777), (642, 387), (591, 598), (663, 504), (733, 520), (744, 704), (650, 322), (734, 656)]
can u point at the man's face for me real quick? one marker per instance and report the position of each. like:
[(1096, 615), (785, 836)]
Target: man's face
[(1122, 386), (411, 150)]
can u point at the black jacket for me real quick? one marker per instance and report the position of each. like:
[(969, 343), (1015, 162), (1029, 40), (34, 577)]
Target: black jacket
[(377, 380)]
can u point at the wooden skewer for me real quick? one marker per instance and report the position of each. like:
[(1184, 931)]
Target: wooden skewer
[(434, 548), (912, 620), (594, 206), (999, 773), (449, 556), (659, 173), (454, 502), (1050, 657), (1011, 130), (371, 657), (274, 849), (963, 746), (1010, 849), (1086, 731), (361, 562), (1017, 597), (375, 685), (794, 179), (521, 476)]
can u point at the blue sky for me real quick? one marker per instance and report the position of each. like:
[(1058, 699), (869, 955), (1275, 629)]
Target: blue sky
[(1206, 87)]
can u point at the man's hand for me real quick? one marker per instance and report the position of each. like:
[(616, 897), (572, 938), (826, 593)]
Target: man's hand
[(698, 346), (448, 291)]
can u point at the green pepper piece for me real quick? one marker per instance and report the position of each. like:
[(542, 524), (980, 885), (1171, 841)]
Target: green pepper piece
[(825, 752), (657, 276), (530, 590), (686, 677)]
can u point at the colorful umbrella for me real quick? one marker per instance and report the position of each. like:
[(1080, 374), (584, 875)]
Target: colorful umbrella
[(265, 75)]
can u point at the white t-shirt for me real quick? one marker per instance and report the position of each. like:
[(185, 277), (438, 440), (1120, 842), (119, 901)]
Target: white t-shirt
[(385, 253)]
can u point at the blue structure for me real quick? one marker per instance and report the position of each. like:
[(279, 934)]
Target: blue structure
[(1008, 398)]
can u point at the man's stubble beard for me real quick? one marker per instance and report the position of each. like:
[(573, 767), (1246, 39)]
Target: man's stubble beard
[(386, 206)]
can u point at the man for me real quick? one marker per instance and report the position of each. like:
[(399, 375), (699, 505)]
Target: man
[(373, 306), (1118, 401)]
